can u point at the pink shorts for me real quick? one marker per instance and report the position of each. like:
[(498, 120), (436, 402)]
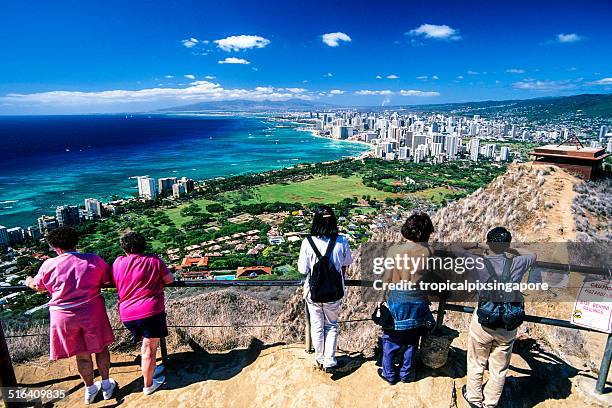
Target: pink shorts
[(83, 329)]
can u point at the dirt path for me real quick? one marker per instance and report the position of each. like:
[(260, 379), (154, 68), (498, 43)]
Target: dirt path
[(283, 376)]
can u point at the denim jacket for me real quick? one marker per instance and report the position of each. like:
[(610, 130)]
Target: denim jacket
[(409, 310)]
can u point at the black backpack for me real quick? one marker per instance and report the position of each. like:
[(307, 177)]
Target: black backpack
[(325, 280), (500, 309)]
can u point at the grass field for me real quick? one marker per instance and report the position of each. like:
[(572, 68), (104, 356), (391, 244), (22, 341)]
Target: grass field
[(175, 213), (322, 189), (325, 189)]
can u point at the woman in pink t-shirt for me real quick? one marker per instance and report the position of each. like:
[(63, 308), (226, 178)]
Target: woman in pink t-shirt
[(79, 324), (140, 281)]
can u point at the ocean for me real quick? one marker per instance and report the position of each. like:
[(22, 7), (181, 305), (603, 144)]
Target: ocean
[(48, 161)]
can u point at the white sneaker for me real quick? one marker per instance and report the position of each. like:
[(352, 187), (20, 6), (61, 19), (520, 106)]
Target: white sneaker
[(92, 392), (159, 370), (108, 393), (157, 382)]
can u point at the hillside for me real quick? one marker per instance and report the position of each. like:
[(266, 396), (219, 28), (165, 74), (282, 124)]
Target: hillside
[(586, 105), (240, 105)]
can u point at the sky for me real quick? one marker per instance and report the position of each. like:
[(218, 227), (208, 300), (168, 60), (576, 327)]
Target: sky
[(124, 56)]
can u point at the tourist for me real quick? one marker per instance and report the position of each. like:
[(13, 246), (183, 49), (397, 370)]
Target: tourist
[(140, 280), (324, 259), (409, 308), (78, 323), (490, 340)]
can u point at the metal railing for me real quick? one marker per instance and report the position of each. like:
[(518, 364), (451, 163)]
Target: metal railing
[(8, 378)]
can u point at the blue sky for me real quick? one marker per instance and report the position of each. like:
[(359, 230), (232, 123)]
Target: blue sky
[(107, 56)]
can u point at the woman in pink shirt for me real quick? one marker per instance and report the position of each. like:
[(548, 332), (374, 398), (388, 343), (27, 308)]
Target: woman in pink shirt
[(79, 324), (140, 281)]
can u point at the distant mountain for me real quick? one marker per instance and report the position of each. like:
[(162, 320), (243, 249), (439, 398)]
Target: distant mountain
[(587, 105), (241, 105)]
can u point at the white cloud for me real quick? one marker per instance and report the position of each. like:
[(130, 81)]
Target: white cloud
[(190, 42), (435, 77), (569, 38), (411, 92), (241, 42), (195, 91), (233, 60), (336, 92), (515, 71), (378, 77), (328, 75), (422, 77), (209, 77), (531, 84), (168, 76), (369, 92), (603, 81), (295, 90), (334, 39), (392, 76), (436, 32), (189, 76), (473, 73), (459, 76)]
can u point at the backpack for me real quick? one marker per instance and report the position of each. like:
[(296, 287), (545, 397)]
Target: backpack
[(325, 280), (500, 309)]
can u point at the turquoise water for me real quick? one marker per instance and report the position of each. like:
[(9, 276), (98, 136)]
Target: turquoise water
[(225, 277), (54, 160)]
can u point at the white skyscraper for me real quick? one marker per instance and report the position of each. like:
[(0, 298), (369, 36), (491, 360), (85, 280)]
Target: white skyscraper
[(93, 208), (147, 188), (504, 153), (474, 149), (452, 145)]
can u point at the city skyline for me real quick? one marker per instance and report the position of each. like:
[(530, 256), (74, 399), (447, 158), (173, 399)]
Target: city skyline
[(112, 57)]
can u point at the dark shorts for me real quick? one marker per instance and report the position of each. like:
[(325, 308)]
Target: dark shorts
[(149, 327)]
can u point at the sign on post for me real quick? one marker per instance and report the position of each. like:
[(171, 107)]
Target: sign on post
[(593, 307)]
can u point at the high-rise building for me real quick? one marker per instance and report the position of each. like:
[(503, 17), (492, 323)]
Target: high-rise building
[(452, 145), (504, 153), (165, 185), (67, 215), (342, 132), (93, 208), (474, 149), (488, 150), (609, 146), (418, 140), (188, 184), (46, 223), (178, 190), (4, 237), (404, 153), (16, 235), (147, 188), (33, 233), (602, 133)]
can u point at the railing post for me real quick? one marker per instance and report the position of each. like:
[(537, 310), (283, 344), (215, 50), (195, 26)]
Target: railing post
[(164, 350), (307, 335), (7, 372), (604, 369), (441, 312)]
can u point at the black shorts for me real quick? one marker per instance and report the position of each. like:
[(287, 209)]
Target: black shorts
[(149, 327)]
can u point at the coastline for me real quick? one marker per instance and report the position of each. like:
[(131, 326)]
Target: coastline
[(314, 133), (37, 203)]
